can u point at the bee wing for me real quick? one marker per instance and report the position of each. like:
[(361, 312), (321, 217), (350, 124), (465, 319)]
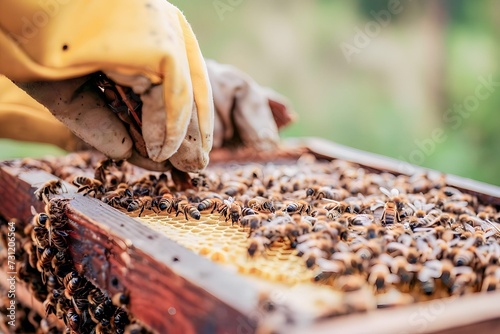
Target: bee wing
[(33, 211), (385, 191), (229, 201), (469, 228), (424, 274), (392, 279), (414, 207), (328, 265), (330, 200), (461, 270), (493, 224), (428, 207), (394, 192)]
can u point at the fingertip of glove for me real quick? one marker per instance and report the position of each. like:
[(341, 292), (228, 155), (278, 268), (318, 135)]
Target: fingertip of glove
[(190, 157)]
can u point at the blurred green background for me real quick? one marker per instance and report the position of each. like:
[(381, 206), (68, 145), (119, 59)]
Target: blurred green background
[(381, 76)]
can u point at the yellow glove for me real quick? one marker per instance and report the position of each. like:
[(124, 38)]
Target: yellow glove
[(22, 118), (244, 110), (146, 45)]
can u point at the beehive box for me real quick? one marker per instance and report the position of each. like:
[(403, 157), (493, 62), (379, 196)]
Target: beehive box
[(198, 276)]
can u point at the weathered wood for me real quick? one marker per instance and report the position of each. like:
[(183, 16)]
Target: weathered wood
[(476, 312), (171, 289)]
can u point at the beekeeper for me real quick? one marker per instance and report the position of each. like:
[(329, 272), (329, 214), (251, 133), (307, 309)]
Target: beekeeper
[(52, 49)]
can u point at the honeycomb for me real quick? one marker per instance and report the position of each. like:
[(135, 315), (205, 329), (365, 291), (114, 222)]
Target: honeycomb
[(332, 226), (227, 244)]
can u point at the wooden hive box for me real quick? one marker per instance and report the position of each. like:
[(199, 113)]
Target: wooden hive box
[(172, 289)]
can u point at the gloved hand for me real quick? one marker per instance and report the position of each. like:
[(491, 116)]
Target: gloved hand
[(245, 110), (145, 45)]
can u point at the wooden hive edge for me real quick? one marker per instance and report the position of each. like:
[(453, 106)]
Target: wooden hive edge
[(169, 286), (455, 315)]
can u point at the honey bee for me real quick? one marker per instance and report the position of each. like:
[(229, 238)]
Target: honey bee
[(349, 283), (466, 282), (258, 244), (299, 207), (230, 209), (200, 182), (337, 207), (40, 236), (261, 204), (80, 305), (104, 328), (62, 265), (102, 170), (362, 219), (144, 203), (374, 231), (39, 219), (120, 299), (165, 203), (234, 188), (403, 270), (326, 268), (144, 186), (56, 210), (460, 207), (462, 257), (318, 193), (420, 209), (120, 320), (247, 211), (45, 260), (54, 187), (161, 186), (252, 221), (135, 328), (379, 276), (72, 286), (72, 320), (75, 279), (390, 214), (59, 240), (210, 203), (88, 186), (102, 312), (50, 302), (188, 209), (491, 280), (117, 198), (447, 272), (96, 297)]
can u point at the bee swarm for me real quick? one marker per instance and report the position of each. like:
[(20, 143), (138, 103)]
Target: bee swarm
[(332, 224)]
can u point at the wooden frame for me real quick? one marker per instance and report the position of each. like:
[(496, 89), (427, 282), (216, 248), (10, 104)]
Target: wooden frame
[(117, 254)]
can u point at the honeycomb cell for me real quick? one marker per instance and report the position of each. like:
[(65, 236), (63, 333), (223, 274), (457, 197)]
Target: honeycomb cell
[(223, 243)]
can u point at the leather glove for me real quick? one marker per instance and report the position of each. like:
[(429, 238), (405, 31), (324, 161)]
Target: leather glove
[(242, 110), (22, 118), (146, 45), (246, 111)]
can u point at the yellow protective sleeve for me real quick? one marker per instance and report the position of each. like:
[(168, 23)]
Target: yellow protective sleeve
[(22, 118), (42, 40)]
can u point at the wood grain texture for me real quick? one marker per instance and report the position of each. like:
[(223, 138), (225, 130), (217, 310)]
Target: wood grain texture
[(171, 289)]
